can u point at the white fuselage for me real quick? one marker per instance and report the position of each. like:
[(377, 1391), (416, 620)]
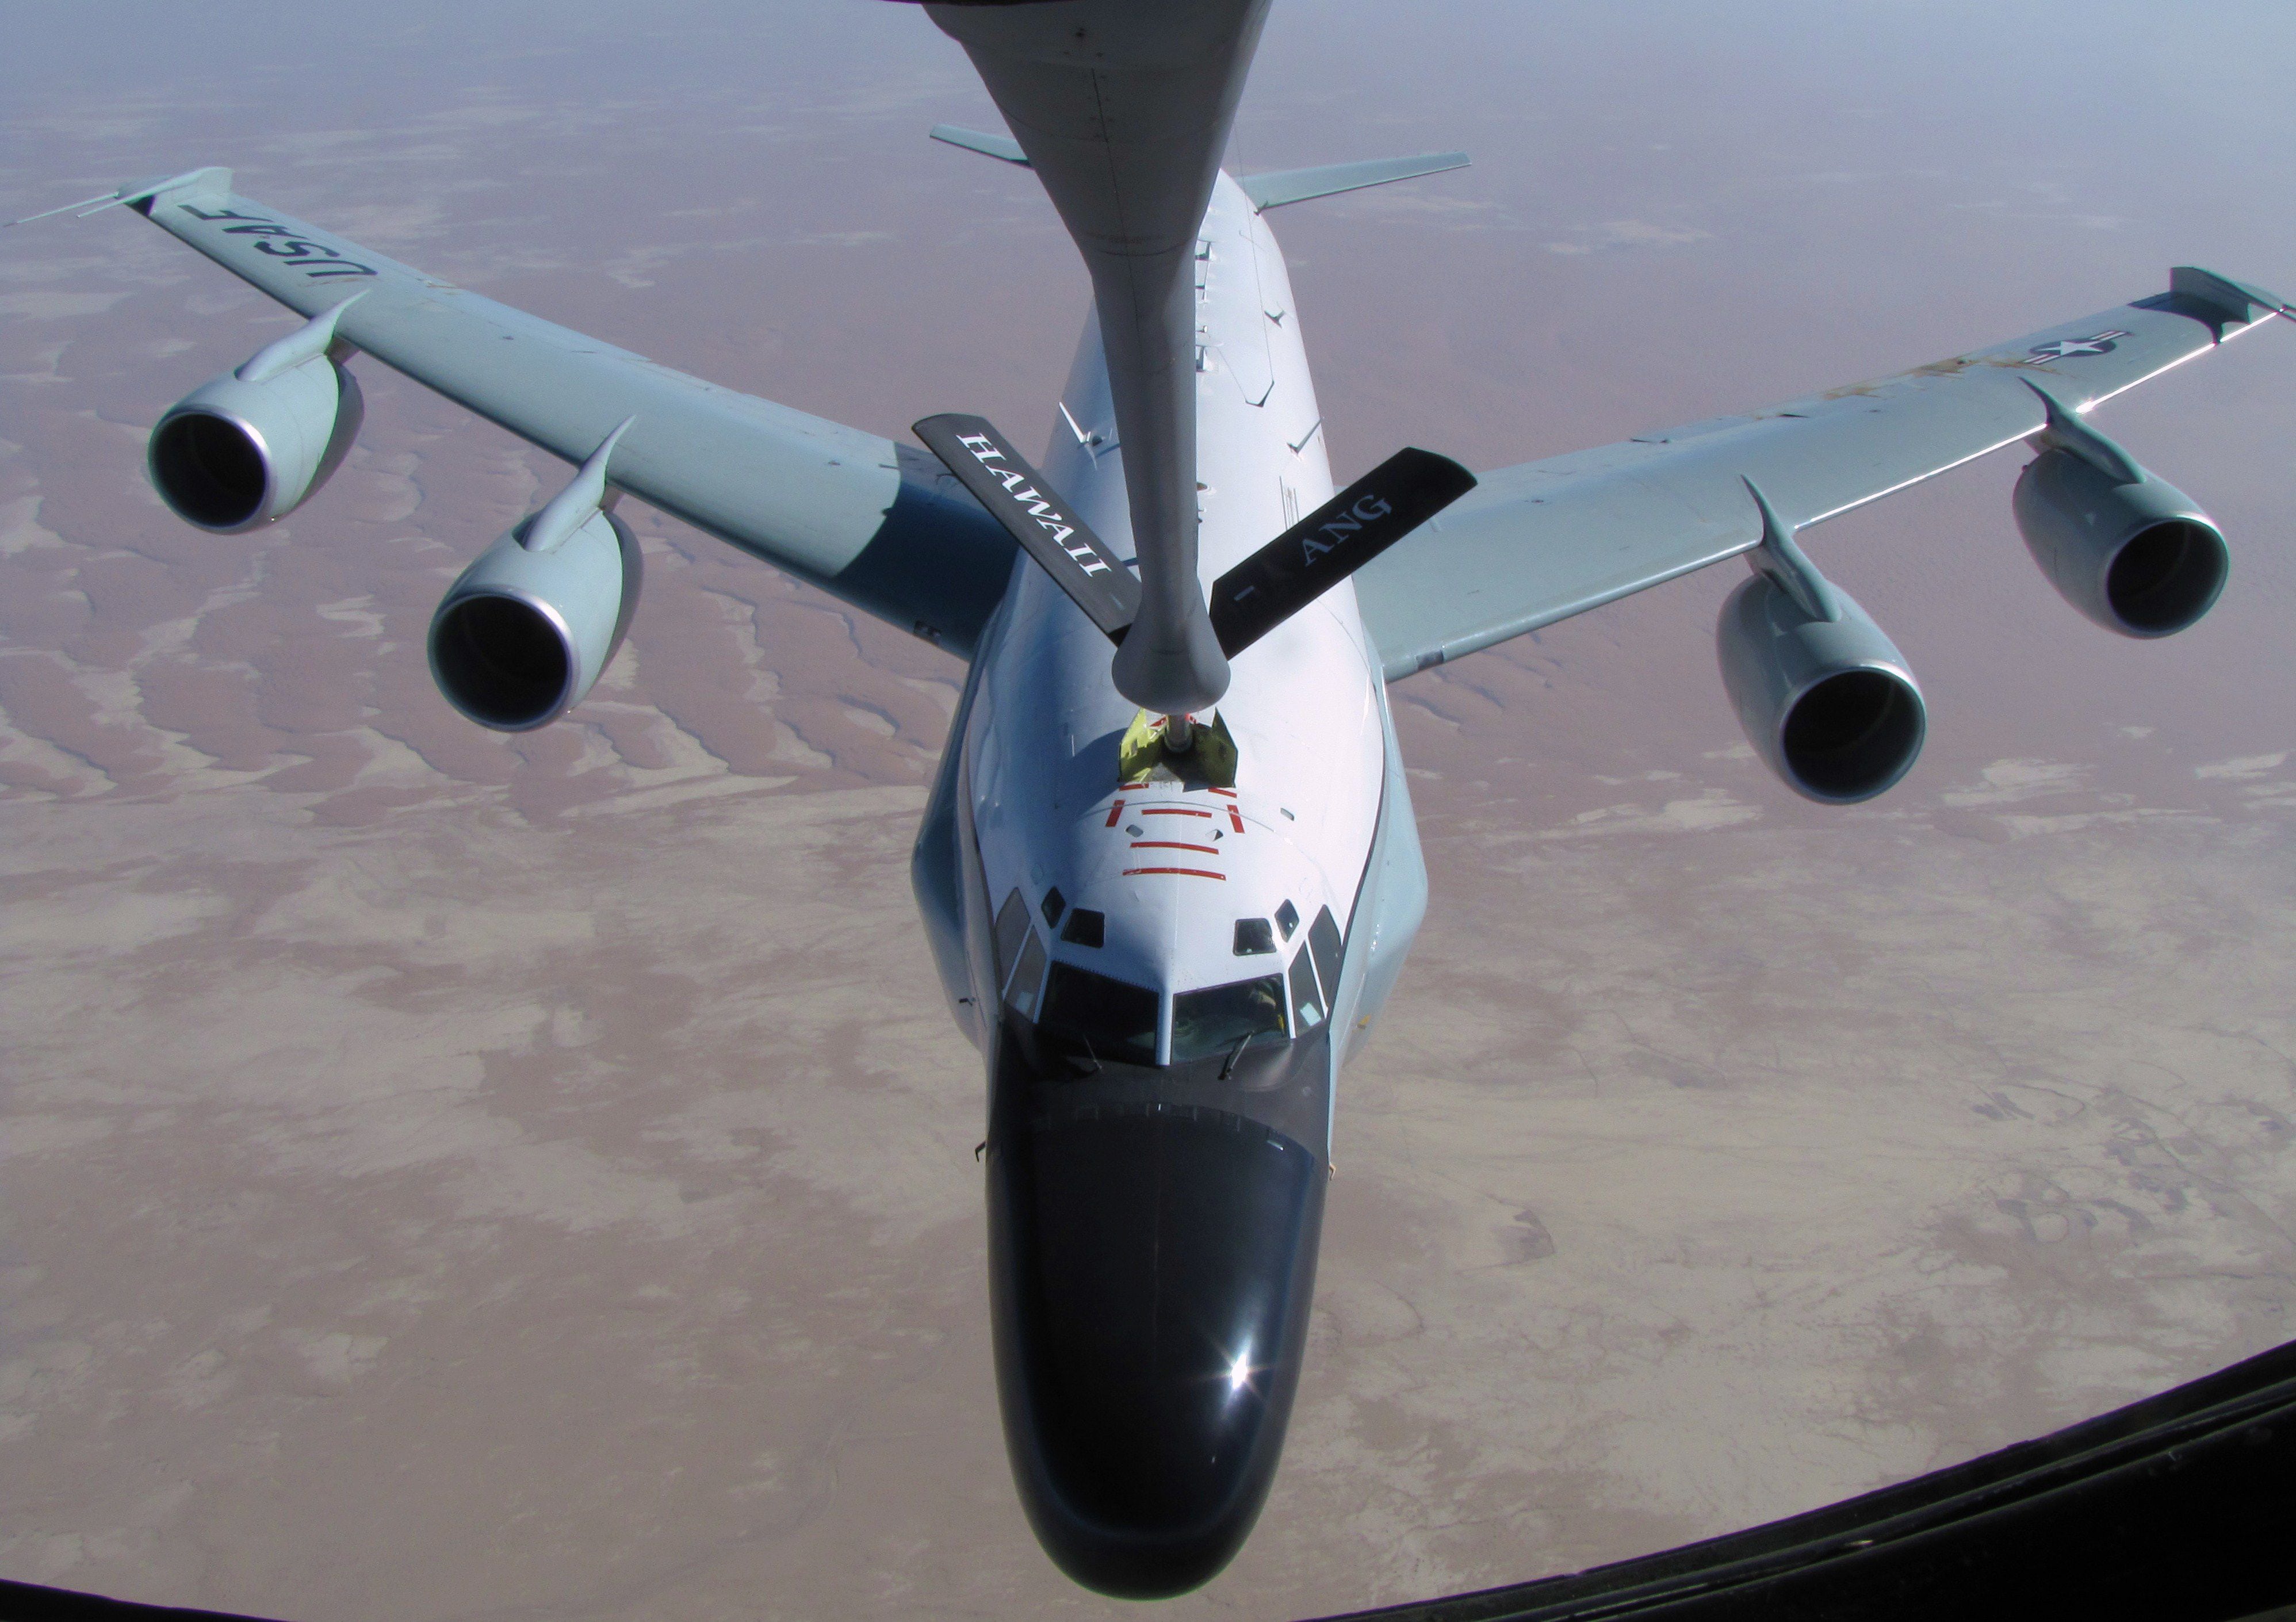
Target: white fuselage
[(1174, 869), (1163, 1040)]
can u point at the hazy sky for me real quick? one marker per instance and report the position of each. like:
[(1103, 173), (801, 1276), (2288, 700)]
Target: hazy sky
[(444, 1176)]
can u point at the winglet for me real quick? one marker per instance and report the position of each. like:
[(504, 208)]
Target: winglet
[(1283, 186), (973, 140)]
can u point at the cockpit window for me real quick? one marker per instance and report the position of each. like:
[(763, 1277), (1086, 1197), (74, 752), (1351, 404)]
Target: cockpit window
[(1252, 937), (1287, 919), (1305, 1000), (1216, 1019), (1011, 924), (1028, 977), (1324, 940), (1085, 928), (1053, 904), (1117, 1019)]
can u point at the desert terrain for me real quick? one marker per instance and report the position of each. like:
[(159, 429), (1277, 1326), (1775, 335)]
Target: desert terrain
[(445, 1176)]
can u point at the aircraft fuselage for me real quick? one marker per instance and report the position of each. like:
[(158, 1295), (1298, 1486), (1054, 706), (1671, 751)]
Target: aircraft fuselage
[(1166, 977)]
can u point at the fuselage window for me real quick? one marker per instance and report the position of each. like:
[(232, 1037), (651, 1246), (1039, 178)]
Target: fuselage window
[(1304, 997), (1287, 919), (1323, 940), (1119, 1020), (1085, 928), (1254, 936), (1220, 1018), (1011, 924), (1028, 977)]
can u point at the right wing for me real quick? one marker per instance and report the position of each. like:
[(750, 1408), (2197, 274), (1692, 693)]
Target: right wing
[(879, 524), (1545, 540)]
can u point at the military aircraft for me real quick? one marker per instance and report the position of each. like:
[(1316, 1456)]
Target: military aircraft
[(1168, 870)]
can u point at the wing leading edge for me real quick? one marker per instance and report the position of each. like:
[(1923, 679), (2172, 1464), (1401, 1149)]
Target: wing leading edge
[(1542, 541), (877, 524)]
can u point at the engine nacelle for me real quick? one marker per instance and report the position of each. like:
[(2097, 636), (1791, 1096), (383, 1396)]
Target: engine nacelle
[(522, 635), (250, 445), (1828, 702), (2136, 554)]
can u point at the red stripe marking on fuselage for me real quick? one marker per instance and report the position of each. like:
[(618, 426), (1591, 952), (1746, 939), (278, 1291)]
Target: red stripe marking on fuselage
[(1173, 845), (1173, 811), (1190, 873), (1114, 812), (1235, 817), (1230, 793)]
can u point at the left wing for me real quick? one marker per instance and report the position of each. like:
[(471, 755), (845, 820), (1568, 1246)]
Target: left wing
[(879, 524), (1545, 540)]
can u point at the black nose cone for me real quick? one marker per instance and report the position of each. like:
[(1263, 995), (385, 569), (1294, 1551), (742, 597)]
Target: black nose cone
[(1150, 1270)]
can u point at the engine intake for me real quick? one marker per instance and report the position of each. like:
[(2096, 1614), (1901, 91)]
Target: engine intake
[(522, 635), (252, 446), (2134, 553), (1829, 704)]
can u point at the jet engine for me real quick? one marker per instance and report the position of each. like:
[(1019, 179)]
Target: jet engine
[(2132, 552), (524, 632), (1826, 699), (250, 445)]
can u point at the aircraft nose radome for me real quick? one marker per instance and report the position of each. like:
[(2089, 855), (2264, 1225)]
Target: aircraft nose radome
[(1151, 1274)]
